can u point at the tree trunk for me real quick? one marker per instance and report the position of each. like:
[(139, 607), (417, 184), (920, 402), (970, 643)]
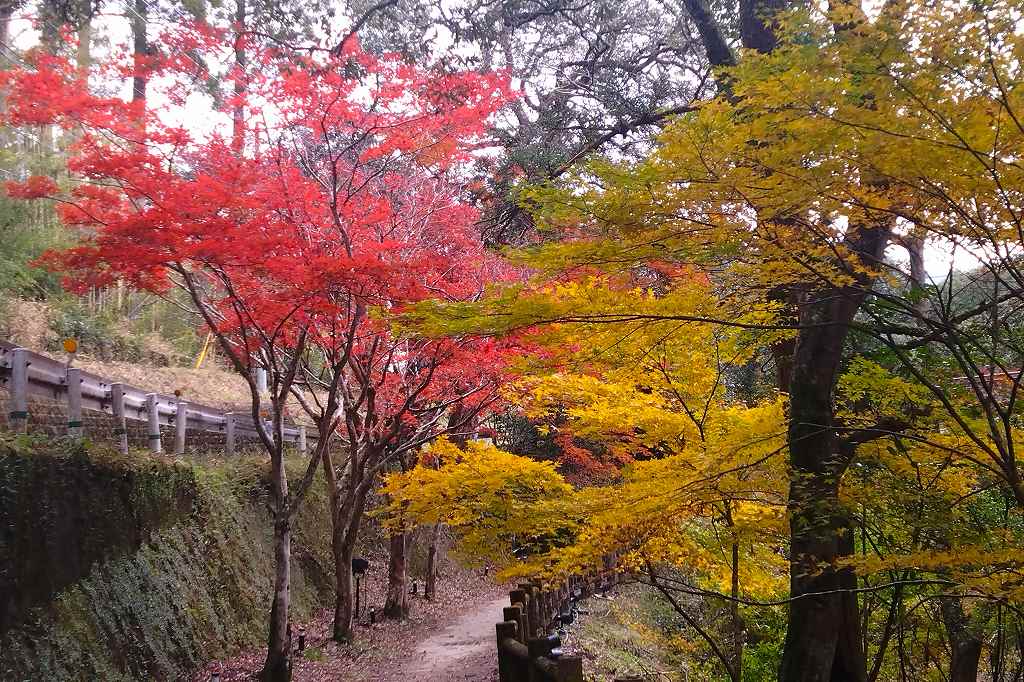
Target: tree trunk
[(736, 620), (736, 627), (823, 638), (342, 507), (344, 598), (83, 58), (277, 667), (396, 605), (140, 51), (346, 532), (964, 642), (6, 13), (430, 584), (823, 642), (241, 62)]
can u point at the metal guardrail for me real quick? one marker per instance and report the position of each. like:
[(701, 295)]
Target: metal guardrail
[(46, 377)]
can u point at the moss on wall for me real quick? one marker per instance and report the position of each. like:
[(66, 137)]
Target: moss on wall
[(132, 567)]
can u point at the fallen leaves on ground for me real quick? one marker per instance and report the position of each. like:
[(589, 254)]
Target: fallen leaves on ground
[(381, 650)]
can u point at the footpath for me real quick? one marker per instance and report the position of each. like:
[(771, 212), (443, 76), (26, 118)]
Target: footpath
[(448, 639)]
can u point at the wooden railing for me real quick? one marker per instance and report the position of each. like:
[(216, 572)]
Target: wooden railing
[(27, 374), (529, 650)]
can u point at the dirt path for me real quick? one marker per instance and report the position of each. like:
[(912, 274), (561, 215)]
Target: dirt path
[(462, 651), (450, 639)]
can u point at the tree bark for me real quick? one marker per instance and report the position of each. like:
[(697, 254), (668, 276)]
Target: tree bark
[(241, 63), (346, 509), (964, 641), (822, 640), (277, 667), (348, 520), (140, 50), (6, 13), (83, 57), (736, 620), (396, 604), (344, 598), (430, 584), (757, 23)]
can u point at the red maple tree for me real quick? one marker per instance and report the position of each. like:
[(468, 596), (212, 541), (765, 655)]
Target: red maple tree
[(295, 233)]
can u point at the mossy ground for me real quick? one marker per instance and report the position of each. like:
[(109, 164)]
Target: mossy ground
[(172, 566)]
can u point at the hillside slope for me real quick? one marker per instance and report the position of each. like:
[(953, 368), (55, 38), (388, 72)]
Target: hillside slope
[(132, 567)]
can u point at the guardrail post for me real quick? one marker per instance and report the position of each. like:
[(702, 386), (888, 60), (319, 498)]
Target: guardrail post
[(570, 669), (302, 440), (506, 666), (180, 426), (260, 376), (120, 421), (153, 433), (19, 390), (74, 379), (229, 433)]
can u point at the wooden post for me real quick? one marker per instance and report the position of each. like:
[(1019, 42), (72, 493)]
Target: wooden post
[(537, 647), (153, 432), (515, 613), (506, 666), (570, 669), (521, 597), (530, 605), (120, 422), (180, 426), (229, 433), (74, 379), (302, 440), (19, 390), (536, 617)]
